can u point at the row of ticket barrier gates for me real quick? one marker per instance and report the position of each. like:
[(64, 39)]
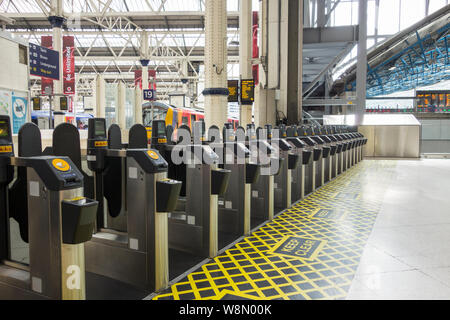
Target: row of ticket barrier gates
[(143, 216)]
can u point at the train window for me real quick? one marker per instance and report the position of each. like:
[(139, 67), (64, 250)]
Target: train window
[(192, 118), (185, 120)]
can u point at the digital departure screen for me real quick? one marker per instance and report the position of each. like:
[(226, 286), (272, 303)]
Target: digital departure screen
[(100, 130), (433, 101), (4, 129)]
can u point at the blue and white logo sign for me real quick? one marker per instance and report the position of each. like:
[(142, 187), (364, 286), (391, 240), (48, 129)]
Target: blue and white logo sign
[(19, 112), (149, 94)]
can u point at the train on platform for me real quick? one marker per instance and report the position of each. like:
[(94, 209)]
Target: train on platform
[(174, 116), (41, 119)]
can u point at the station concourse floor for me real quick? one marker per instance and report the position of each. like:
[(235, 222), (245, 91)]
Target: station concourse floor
[(381, 230)]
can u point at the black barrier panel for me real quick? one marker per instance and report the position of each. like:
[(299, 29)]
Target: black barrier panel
[(114, 137), (112, 176), (169, 133), (66, 142), (137, 138), (30, 145)]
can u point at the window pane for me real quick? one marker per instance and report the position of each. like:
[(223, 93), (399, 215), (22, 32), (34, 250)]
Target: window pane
[(388, 17), (412, 11), (435, 5)]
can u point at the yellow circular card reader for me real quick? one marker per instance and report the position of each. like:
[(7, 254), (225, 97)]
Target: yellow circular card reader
[(153, 155), (60, 165)]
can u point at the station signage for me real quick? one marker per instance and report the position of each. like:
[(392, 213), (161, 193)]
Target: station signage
[(233, 88), (247, 91), (63, 104), (44, 62), (149, 94), (36, 103)]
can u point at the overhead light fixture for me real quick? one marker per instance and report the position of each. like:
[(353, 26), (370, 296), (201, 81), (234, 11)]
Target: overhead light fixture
[(392, 68)]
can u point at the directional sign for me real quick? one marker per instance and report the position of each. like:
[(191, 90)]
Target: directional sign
[(149, 94), (247, 91), (44, 62)]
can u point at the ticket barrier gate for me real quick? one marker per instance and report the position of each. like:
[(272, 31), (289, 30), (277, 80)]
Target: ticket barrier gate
[(309, 160), (54, 218), (335, 151), (287, 165), (193, 224), (324, 164), (262, 191), (235, 203), (298, 176), (136, 253)]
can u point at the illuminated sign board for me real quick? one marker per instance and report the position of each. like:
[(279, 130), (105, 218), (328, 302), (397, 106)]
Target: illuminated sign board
[(247, 91)]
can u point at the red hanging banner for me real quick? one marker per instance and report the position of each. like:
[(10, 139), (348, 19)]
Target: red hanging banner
[(68, 65), (46, 41), (138, 78)]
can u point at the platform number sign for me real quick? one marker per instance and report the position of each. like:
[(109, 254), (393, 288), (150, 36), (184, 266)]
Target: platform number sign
[(149, 94)]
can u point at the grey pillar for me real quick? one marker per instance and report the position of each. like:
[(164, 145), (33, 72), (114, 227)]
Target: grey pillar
[(245, 53), (216, 88), (295, 58), (361, 64)]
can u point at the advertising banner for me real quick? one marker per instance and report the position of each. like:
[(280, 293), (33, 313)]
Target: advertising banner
[(19, 112), (68, 65)]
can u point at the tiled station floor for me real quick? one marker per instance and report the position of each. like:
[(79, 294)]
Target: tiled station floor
[(381, 230)]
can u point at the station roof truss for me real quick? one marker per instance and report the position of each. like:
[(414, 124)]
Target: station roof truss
[(108, 35), (415, 57)]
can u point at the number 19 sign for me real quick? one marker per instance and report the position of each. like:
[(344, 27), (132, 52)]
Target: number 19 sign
[(149, 94)]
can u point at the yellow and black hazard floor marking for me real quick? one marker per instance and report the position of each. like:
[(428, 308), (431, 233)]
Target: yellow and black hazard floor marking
[(309, 251)]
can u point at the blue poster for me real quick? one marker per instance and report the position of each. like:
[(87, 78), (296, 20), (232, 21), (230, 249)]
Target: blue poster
[(19, 112)]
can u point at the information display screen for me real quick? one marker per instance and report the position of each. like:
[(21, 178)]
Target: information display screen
[(433, 101), (100, 130), (4, 129), (247, 91), (36, 103), (233, 88)]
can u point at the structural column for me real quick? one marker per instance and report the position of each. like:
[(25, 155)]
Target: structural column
[(291, 60), (265, 104), (56, 20), (361, 64), (121, 106), (100, 96), (245, 53), (216, 88)]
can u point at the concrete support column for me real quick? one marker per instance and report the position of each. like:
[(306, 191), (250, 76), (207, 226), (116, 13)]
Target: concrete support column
[(361, 63), (216, 87), (56, 20), (121, 106), (138, 106), (100, 97), (245, 53), (265, 104), (265, 112), (291, 61)]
